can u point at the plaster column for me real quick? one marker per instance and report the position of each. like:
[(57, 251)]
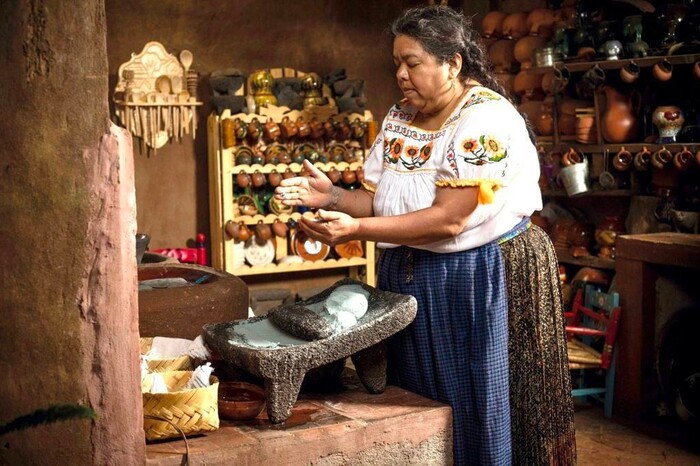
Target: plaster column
[(68, 299)]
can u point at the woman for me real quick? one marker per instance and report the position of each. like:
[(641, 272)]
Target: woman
[(450, 183)]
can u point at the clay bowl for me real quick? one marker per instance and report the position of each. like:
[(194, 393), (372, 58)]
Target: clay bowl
[(240, 401)]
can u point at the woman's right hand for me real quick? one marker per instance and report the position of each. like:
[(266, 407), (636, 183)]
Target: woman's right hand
[(314, 190)]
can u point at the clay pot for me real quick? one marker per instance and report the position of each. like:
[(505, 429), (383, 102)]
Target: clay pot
[(288, 128), (663, 70), (303, 127), (316, 129), (280, 228), (623, 160), (232, 229), (349, 176), (669, 120), (528, 85), (661, 158), (684, 159), (492, 24), (274, 178), (243, 179), (642, 160), (333, 175), (545, 122), (501, 54), (540, 22), (515, 25), (271, 130), (525, 47), (629, 73), (619, 120), (258, 179)]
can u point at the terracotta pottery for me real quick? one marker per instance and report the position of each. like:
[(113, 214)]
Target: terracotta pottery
[(623, 160), (661, 158), (501, 55), (492, 24), (696, 69), (619, 120), (506, 80), (280, 228), (333, 175), (580, 239), (255, 130), (663, 70), (288, 128), (271, 130), (303, 127), (274, 178), (545, 122), (263, 232), (532, 109), (540, 22), (515, 25), (232, 229), (349, 176), (567, 115), (316, 128), (244, 156), (629, 73), (683, 159), (642, 160), (525, 47), (243, 179), (240, 128), (669, 120), (528, 85), (586, 131), (258, 179)]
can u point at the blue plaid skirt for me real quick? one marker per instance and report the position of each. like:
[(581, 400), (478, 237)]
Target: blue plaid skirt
[(456, 350)]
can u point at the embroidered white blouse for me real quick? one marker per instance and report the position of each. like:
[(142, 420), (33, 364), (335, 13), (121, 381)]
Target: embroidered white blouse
[(483, 143)]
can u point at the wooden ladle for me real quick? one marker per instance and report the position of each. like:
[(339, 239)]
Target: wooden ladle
[(186, 60)]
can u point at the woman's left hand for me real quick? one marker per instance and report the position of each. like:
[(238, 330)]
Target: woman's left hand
[(330, 227)]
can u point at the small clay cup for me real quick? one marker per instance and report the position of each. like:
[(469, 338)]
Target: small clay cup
[(244, 232), (629, 73), (288, 173), (316, 129), (662, 70), (334, 175), (280, 228), (240, 128), (258, 179), (255, 130), (358, 129), (343, 131), (571, 157), (360, 173), (684, 159), (349, 176), (303, 127), (243, 179), (263, 233), (289, 128), (661, 158), (642, 160), (271, 130), (623, 160), (274, 178), (232, 229)]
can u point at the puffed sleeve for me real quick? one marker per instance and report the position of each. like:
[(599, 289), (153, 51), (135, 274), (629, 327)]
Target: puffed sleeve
[(374, 163), (478, 153)]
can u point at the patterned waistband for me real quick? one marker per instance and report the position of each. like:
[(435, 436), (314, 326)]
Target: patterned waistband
[(521, 227)]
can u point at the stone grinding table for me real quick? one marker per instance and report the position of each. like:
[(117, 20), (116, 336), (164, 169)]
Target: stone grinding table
[(283, 368)]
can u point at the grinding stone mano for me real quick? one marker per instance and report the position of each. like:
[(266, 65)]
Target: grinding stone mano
[(301, 322), (284, 366)]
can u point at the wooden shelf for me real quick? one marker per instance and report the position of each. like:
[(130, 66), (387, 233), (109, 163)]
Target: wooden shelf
[(688, 59), (593, 193), (633, 147), (565, 257), (307, 265), (295, 167)]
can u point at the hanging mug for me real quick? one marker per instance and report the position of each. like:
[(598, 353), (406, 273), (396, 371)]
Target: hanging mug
[(271, 130), (289, 128), (662, 70), (333, 175), (274, 178), (263, 233), (280, 228), (244, 232), (255, 130), (642, 159), (661, 158), (572, 156), (623, 160), (683, 159), (258, 179), (243, 179), (240, 129), (303, 127), (630, 72), (232, 229)]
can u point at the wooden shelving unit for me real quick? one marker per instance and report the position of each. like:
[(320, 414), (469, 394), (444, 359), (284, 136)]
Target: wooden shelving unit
[(565, 257)]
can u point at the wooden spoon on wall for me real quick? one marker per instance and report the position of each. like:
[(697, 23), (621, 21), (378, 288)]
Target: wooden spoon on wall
[(186, 60)]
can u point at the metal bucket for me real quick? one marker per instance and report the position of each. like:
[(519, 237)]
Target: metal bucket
[(575, 178)]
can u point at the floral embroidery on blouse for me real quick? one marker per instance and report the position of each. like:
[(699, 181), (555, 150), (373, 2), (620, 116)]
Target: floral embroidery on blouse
[(485, 149), (414, 157), (393, 149), (480, 97)]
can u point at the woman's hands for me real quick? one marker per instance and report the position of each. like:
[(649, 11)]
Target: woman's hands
[(330, 227), (314, 190)]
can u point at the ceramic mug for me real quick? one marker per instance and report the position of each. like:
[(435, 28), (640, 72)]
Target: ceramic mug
[(642, 159), (232, 229), (258, 179), (661, 157), (274, 178), (623, 160), (263, 233), (303, 127), (240, 128), (255, 130), (316, 129), (683, 159), (289, 128), (630, 72), (571, 157), (271, 130), (243, 179), (333, 175), (280, 228), (662, 70)]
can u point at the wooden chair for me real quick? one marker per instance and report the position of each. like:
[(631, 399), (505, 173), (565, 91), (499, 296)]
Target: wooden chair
[(591, 333)]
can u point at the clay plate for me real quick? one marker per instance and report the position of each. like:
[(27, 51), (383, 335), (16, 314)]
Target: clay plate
[(307, 248), (240, 401)]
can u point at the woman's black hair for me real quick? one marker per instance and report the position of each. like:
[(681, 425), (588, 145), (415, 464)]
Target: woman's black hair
[(443, 32)]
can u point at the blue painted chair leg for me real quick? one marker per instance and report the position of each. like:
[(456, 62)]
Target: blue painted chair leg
[(610, 385)]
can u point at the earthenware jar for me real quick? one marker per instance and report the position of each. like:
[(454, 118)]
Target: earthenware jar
[(642, 160), (683, 159), (663, 70), (492, 24), (619, 122), (623, 160), (271, 130), (669, 120), (515, 25), (288, 128), (629, 73), (540, 22)]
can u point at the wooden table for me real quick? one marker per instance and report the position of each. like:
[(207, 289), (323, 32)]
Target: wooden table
[(638, 259)]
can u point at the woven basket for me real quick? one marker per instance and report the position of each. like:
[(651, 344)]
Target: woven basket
[(181, 363), (193, 411)]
